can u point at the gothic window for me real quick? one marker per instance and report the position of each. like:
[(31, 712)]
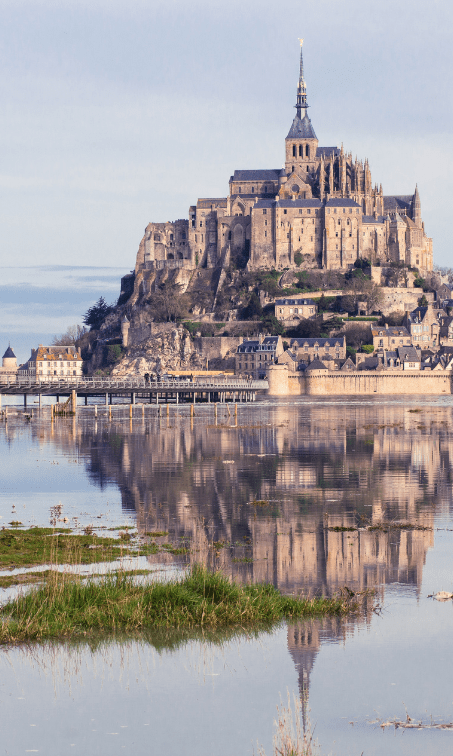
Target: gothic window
[(285, 212), (253, 189), (239, 189), (301, 151), (339, 222), (294, 150), (307, 150), (265, 233)]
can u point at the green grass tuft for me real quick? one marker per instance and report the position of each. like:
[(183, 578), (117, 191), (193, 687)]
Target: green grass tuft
[(67, 608)]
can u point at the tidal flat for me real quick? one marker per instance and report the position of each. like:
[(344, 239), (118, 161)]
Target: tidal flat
[(316, 498)]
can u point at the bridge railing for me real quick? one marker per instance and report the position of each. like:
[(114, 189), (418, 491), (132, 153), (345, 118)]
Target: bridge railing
[(62, 385)]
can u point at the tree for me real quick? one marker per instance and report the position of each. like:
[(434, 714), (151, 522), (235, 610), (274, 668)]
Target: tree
[(395, 318), (95, 315), (71, 335), (356, 335), (253, 309), (168, 304), (423, 302)]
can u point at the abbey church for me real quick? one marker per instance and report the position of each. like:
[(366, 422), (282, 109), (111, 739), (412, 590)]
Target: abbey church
[(320, 211)]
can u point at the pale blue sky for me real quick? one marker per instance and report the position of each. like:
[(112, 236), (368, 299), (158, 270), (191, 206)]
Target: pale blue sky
[(116, 113)]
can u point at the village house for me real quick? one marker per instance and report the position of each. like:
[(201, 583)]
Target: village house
[(295, 308), (307, 350), (390, 338), (52, 362), (424, 324), (253, 356)]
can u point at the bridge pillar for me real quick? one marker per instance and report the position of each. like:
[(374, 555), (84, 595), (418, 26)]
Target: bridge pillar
[(25, 400), (177, 397), (73, 401), (157, 397), (39, 401), (106, 400), (194, 396)]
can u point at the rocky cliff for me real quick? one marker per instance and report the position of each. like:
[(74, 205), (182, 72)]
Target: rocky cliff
[(168, 348)]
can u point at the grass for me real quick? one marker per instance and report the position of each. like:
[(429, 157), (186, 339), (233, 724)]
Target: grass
[(37, 546), (68, 608)]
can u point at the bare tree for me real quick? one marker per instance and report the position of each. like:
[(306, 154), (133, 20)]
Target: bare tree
[(69, 338)]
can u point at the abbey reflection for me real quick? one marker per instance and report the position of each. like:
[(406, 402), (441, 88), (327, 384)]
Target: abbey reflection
[(315, 465)]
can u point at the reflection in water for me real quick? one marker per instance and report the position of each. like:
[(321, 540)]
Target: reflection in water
[(260, 500), (311, 468)]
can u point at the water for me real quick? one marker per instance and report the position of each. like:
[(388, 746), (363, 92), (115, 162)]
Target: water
[(312, 465)]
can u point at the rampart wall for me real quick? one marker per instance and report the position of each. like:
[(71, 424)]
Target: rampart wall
[(357, 383)]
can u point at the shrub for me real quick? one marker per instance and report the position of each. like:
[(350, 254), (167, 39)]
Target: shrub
[(298, 259), (368, 348)]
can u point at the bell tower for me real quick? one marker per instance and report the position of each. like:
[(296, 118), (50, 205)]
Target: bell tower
[(301, 142)]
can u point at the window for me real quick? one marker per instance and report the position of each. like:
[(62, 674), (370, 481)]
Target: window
[(285, 212), (294, 150), (307, 151), (300, 211), (309, 211), (253, 189), (239, 189), (301, 151), (264, 211)]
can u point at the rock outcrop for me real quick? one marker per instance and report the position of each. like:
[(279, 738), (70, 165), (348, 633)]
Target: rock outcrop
[(169, 348)]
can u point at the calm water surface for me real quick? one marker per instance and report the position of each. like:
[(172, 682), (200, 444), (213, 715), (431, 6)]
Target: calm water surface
[(258, 496)]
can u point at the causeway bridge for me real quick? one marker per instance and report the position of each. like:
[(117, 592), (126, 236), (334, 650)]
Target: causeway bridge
[(136, 389)]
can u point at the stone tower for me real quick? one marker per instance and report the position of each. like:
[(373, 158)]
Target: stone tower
[(301, 142), (9, 360)]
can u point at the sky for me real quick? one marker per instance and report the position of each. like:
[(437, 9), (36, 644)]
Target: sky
[(116, 113)]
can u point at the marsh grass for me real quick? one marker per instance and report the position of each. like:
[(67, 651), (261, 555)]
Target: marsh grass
[(293, 736), (39, 546), (68, 608)]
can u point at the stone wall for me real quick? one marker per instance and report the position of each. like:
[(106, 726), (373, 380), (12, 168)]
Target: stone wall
[(323, 383), (216, 347)]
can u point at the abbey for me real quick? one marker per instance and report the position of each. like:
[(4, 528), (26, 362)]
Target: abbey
[(320, 211)]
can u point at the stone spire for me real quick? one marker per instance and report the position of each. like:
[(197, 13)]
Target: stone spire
[(301, 126), (417, 208), (302, 105)]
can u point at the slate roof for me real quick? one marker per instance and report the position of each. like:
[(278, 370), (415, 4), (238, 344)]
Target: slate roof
[(268, 344), (267, 174), (301, 127), (294, 302), (391, 331), (321, 342), (392, 203), (408, 354), (327, 151), (341, 202), (316, 365), (372, 219), (9, 353)]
